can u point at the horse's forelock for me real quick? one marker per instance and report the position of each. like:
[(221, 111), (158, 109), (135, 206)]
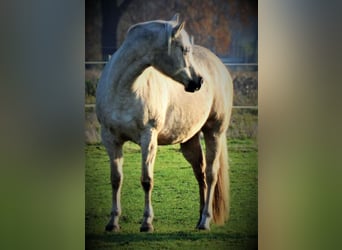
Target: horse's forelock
[(169, 26), (168, 29)]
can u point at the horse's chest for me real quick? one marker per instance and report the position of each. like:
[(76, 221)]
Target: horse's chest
[(124, 130), (127, 121), (124, 120)]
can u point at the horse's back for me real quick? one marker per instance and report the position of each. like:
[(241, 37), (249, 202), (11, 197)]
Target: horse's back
[(211, 67), (219, 80)]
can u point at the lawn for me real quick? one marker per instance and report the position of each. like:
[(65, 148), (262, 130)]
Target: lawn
[(175, 201)]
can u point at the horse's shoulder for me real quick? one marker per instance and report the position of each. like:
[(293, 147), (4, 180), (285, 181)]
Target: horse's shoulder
[(204, 54)]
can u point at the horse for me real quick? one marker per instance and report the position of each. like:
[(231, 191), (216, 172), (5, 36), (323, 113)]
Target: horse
[(159, 88)]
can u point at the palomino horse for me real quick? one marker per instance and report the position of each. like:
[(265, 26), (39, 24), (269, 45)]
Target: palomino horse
[(160, 89)]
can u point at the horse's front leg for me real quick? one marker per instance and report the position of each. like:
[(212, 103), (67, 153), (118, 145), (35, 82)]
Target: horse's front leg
[(114, 151), (149, 146)]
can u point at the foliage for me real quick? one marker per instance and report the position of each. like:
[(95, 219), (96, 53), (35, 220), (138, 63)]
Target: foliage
[(175, 199), (243, 124), (228, 28), (245, 88)]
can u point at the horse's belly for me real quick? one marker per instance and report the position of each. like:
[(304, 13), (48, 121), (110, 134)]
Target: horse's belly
[(178, 132), (169, 139)]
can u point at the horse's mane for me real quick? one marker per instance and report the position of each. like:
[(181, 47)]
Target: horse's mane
[(163, 26)]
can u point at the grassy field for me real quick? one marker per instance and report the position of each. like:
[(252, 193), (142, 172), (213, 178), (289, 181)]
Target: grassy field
[(175, 200)]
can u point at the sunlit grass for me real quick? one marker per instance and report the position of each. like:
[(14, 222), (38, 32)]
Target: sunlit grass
[(175, 200)]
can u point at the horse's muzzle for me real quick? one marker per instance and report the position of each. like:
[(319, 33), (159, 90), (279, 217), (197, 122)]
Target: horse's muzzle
[(194, 85)]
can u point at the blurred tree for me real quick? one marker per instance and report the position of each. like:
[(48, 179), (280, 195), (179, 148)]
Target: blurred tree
[(112, 11), (227, 27), (93, 26)]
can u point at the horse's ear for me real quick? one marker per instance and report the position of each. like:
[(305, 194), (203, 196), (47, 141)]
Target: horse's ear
[(175, 18), (177, 30)]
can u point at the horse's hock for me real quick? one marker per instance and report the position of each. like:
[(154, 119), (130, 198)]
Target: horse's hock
[(92, 126)]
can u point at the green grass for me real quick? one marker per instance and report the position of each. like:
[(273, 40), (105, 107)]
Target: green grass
[(175, 201)]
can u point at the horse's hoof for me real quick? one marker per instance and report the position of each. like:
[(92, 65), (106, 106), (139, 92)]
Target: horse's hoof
[(112, 228), (147, 228), (203, 227)]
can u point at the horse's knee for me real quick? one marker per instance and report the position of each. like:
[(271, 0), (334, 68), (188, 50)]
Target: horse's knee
[(116, 180), (147, 185), (211, 176)]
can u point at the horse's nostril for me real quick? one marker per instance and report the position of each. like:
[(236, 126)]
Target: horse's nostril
[(201, 80)]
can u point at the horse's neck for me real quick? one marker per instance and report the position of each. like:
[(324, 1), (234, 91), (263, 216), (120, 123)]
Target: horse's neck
[(128, 64)]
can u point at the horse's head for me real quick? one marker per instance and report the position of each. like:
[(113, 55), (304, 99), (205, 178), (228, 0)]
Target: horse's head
[(173, 55)]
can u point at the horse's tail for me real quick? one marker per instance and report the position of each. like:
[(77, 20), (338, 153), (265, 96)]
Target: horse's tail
[(221, 193)]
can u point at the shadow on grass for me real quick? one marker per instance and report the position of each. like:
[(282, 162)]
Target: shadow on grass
[(123, 238)]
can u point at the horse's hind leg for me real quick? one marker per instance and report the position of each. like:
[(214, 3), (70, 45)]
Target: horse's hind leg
[(114, 150), (149, 147), (193, 153), (216, 202)]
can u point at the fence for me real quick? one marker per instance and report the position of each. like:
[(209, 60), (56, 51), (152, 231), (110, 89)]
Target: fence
[(244, 121), (224, 61), (234, 107)]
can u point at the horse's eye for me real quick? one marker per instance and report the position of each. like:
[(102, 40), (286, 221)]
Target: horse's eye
[(186, 50)]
